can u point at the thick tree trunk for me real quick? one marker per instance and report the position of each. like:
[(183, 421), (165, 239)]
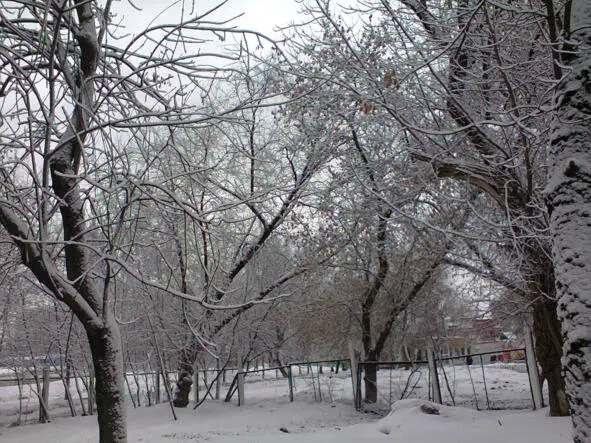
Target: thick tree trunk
[(107, 357), (370, 380), (548, 353), (546, 327), (569, 203), (185, 381)]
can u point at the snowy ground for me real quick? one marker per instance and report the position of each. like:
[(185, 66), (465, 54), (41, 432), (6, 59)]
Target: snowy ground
[(309, 423), (268, 416)]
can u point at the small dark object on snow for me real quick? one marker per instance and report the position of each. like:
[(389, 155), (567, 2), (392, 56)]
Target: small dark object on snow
[(429, 409), (284, 430)]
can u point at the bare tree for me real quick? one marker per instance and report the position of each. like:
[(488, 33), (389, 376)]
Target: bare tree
[(474, 108), (229, 190), (73, 102), (375, 198)]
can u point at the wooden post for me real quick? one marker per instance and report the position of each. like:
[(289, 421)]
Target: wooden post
[(532, 370), (241, 399), (434, 376)]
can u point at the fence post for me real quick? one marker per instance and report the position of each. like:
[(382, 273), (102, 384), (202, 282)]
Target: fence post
[(240, 378), (532, 370), (434, 376), (290, 380)]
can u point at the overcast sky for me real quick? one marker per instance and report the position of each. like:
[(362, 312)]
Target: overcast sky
[(259, 15)]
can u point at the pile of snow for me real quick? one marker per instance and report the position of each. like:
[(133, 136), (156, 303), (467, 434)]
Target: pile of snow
[(419, 421)]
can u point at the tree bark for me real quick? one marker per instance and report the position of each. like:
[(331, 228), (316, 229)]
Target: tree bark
[(548, 350), (370, 380), (107, 357), (568, 197), (185, 381)]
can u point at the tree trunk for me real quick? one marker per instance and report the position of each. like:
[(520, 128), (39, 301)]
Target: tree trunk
[(569, 203), (548, 353), (185, 381), (107, 357), (370, 380), (546, 328)]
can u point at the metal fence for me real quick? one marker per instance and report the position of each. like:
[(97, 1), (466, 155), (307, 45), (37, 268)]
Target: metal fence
[(27, 397), (490, 380), (326, 380)]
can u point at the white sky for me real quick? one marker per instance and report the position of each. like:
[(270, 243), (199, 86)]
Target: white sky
[(259, 15)]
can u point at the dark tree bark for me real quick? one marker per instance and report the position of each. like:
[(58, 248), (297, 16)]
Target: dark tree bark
[(186, 372), (370, 380), (546, 328), (107, 358), (548, 338)]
